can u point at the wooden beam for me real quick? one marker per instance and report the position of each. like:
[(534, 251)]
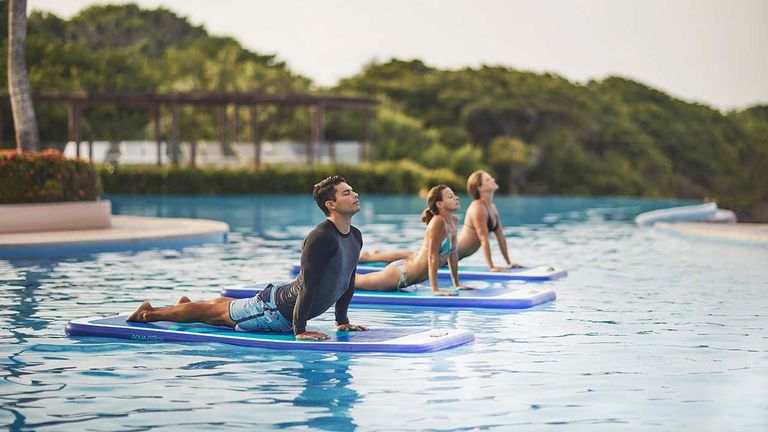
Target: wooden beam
[(367, 150), (222, 119), (317, 132), (174, 147), (235, 124), (74, 126), (199, 98), (255, 136), (156, 130), (320, 119), (193, 153), (312, 134)]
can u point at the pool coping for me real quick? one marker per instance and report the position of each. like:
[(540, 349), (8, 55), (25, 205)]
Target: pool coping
[(125, 233), (55, 216)]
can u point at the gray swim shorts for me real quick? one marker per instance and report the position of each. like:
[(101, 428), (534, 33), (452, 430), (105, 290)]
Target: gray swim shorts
[(256, 314)]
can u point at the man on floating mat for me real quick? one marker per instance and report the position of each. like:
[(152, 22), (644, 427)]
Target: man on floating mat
[(482, 219), (328, 260)]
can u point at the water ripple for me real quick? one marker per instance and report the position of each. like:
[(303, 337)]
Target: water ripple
[(649, 332)]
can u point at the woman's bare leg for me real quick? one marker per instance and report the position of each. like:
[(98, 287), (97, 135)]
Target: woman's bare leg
[(384, 280), (214, 312), (387, 257)]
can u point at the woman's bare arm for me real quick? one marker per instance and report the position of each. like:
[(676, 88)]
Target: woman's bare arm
[(453, 264), (503, 242), (435, 234), (479, 219)]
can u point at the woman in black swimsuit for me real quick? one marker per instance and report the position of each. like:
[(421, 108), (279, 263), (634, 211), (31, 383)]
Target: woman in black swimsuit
[(482, 219)]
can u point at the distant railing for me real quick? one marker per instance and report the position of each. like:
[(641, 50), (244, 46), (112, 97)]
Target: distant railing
[(172, 148), (208, 153)]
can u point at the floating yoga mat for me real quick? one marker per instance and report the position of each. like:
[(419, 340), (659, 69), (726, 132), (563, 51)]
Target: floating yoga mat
[(699, 212), (391, 340), (541, 273), (516, 297)]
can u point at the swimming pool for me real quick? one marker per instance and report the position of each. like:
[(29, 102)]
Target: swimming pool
[(648, 332)]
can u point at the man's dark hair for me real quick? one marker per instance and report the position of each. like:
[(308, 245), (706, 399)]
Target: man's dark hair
[(326, 191)]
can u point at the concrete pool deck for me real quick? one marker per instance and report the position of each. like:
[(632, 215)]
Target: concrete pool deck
[(126, 233), (754, 234)]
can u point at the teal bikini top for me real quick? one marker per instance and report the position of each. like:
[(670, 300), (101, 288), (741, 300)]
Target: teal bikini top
[(445, 247)]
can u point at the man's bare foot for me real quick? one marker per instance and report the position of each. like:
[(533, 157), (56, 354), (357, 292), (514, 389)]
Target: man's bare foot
[(183, 299), (140, 314)]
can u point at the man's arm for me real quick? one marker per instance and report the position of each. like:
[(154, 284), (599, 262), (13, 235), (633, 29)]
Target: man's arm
[(342, 305), (342, 321), (319, 247)]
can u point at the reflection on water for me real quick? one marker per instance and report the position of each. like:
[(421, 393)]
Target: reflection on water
[(648, 332)]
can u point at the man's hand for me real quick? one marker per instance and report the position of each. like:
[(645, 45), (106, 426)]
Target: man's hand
[(351, 327), (310, 335)]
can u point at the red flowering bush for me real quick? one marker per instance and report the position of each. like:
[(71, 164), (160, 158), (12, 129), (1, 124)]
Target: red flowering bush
[(46, 176)]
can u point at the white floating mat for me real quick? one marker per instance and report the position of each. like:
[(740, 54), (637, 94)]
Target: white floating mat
[(700, 212), (469, 272), (506, 297), (390, 340)]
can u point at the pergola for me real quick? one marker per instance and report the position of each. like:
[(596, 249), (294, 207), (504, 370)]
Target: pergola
[(316, 103)]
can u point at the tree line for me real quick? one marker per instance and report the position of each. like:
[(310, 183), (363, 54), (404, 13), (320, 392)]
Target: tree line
[(539, 133)]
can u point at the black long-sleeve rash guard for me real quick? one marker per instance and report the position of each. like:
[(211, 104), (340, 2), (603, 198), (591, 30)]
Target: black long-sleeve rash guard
[(328, 262)]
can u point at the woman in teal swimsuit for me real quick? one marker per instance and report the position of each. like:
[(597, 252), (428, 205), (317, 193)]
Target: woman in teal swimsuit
[(438, 248)]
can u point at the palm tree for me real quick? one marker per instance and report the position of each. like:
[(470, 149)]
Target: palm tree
[(27, 138)]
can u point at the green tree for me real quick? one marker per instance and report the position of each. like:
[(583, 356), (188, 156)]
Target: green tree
[(614, 136), (436, 156), (24, 122), (466, 159), (514, 158), (398, 136)]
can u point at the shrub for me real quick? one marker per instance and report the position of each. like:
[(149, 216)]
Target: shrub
[(435, 156), (466, 159), (403, 177), (46, 177), (398, 136)]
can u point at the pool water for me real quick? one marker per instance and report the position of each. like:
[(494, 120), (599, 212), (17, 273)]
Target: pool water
[(649, 331)]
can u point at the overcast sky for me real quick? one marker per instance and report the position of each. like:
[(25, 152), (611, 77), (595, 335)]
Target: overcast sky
[(709, 51)]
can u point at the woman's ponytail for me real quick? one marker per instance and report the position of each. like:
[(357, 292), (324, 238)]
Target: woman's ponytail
[(427, 215), (434, 196)]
